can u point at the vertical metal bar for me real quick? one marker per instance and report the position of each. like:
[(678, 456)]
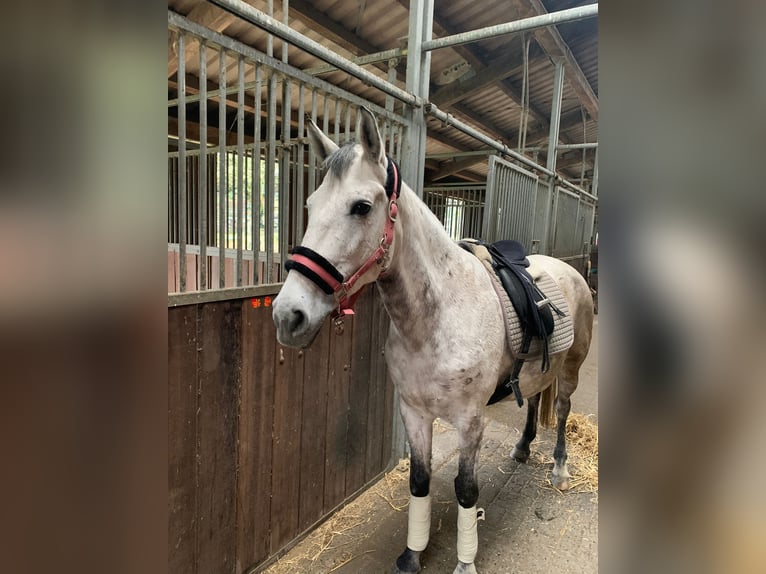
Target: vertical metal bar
[(392, 138), (269, 37), (312, 155), (326, 116), (399, 139), (336, 136), (284, 176), (300, 169), (553, 135), (286, 22), (222, 195), (202, 165), (256, 185), (270, 183), (182, 159), (240, 213), (594, 185), (347, 126)]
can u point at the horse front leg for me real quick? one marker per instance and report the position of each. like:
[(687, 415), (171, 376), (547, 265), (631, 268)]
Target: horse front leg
[(467, 492), (419, 429)]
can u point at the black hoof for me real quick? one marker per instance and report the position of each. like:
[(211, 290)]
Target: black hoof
[(519, 454), (408, 562)]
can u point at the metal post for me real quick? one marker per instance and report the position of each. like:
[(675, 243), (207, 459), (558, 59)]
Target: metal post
[(553, 138), (203, 166), (240, 208), (182, 162), (418, 77), (542, 21), (222, 194), (594, 185)]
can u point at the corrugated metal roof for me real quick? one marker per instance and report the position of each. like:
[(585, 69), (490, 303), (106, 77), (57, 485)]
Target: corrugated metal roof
[(374, 26)]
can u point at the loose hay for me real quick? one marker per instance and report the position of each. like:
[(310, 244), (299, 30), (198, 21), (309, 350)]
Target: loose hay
[(582, 455), (339, 529), (582, 451)]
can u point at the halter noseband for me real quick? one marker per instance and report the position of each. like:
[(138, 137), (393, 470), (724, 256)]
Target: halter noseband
[(327, 277)]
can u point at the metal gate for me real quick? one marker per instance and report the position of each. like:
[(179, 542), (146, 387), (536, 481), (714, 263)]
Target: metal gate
[(460, 208), (512, 198), (519, 206)]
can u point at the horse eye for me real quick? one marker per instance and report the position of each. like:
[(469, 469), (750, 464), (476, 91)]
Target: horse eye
[(360, 208)]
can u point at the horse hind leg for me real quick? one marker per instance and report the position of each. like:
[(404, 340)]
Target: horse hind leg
[(567, 383), (521, 451)]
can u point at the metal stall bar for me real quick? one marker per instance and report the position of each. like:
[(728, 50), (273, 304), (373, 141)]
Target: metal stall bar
[(240, 211), (542, 21), (553, 138), (270, 176), (301, 197), (263, 21), (227, 43), (203, 177), (256, 185), (222, 173), (182, 162), (312, 156), (284, 176)]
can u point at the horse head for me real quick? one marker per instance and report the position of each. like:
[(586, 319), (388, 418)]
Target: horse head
[(349, 237)]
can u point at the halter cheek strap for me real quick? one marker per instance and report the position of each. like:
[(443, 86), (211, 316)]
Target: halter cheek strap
[(327, 277)]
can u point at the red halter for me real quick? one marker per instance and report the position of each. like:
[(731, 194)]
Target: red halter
[(327, 277)]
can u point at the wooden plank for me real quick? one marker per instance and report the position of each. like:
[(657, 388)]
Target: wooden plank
[(191, 272), (255, 426), (255, 444), (182, 441), (375, 404), (388, 390), (360, 384), (229, 272), (285, 478), (337, 418), (314, 429), (219, 366)]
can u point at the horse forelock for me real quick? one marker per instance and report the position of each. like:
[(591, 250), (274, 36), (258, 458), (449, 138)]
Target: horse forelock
[(340, 161)]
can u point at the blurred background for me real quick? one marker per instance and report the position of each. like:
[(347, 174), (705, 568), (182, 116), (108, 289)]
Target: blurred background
[(682, 88)]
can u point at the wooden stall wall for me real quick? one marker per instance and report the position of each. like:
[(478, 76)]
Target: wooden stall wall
[(266, 441)]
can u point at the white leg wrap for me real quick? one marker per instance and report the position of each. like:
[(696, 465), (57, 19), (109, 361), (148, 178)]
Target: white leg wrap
[(419, 524), (467, 534)]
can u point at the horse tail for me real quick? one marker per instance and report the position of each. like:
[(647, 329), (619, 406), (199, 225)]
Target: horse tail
[(546, 414)]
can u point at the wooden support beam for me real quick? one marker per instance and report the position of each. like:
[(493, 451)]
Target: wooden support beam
[(193, 133), (499, 69), (332, 30), (552, 42), (448, 168)]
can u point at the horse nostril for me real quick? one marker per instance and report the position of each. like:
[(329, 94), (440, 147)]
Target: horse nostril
[(296, 320)]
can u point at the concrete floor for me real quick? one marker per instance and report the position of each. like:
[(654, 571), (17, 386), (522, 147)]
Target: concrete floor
[(529, 528)]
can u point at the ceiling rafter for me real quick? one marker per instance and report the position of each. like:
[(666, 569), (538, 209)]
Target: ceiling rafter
[(555, 46)]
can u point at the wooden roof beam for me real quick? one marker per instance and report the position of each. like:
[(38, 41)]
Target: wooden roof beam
[(553, 44)]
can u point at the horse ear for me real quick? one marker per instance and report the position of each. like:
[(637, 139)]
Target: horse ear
[(368, 135), (320, 143)]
